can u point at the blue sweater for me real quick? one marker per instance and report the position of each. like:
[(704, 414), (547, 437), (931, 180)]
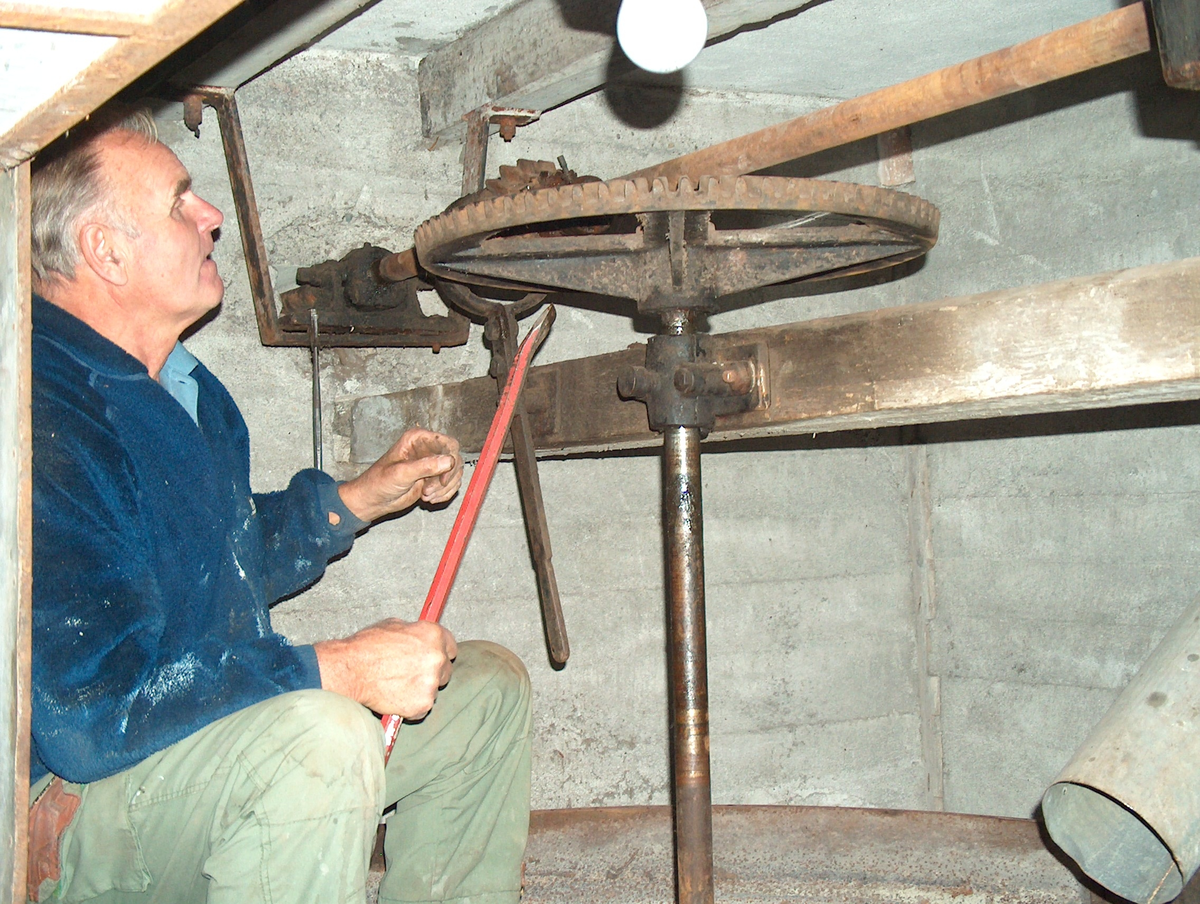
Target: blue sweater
[(153, 563)]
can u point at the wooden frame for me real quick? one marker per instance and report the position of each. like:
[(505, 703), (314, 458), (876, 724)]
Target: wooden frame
[(148, 42), (1128, 337)]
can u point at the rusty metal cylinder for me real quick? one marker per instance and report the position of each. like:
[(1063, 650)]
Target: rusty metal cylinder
[(1127, 805), (684, 537)]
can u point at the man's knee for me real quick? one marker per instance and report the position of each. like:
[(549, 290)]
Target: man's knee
[(328, 741), (496, 667)]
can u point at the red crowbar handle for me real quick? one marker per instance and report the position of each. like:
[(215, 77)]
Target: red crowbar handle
[(468, 512)]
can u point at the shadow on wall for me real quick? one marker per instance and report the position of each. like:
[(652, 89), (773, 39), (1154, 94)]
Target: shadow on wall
[(1101, 420), (643, 100)]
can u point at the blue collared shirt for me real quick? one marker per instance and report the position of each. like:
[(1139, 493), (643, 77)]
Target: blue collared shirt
[(176, 378)]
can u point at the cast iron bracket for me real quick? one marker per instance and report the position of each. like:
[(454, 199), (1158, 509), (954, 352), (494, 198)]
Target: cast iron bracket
[(398, 322), (683, 386)]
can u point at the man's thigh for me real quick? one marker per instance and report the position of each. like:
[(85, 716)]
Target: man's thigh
[(236, 810)]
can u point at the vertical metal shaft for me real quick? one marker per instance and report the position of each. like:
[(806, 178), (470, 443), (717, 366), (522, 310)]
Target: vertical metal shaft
[(317, 431), (683, 527), (684, 534)]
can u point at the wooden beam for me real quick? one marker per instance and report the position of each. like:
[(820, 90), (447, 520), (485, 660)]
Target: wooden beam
[(542, 53), (168, 28), (1114, 36), (68, 20), (1132, 336), (273, 34), (1177, 27), (16, 520)]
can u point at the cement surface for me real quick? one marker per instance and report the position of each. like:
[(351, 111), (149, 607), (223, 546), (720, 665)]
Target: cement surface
[(1062, 548)]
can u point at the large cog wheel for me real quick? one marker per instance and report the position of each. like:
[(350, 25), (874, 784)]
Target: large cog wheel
[(659, 244)]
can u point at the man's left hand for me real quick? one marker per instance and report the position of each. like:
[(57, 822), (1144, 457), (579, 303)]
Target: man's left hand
[(422, 466)]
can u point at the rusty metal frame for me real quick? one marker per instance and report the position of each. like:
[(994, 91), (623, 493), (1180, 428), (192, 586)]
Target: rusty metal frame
[(223, 102), (501, 332)]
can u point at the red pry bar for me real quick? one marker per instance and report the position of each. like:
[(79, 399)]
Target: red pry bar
[(477, 487)]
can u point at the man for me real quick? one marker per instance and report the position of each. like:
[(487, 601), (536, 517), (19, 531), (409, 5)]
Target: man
[(181, 750)]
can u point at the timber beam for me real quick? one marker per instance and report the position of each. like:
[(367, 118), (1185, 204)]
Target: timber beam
[(1127, 337)]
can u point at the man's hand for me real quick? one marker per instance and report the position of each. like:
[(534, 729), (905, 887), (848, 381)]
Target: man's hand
[(394, 667), (422, 466)]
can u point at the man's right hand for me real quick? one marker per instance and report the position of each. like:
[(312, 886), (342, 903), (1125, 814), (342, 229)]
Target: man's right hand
[(394, 667)]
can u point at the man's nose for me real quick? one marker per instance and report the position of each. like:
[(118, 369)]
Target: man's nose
[(209, 217)]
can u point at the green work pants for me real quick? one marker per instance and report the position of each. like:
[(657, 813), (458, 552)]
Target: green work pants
[(279, 803)]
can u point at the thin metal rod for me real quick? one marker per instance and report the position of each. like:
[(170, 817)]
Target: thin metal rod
[(317, 430), (683, 524), (254, 248)]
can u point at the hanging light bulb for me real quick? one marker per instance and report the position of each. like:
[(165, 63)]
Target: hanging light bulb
[(662, 35)]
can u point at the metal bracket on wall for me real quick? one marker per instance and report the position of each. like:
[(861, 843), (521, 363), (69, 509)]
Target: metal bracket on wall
[(392, 319)]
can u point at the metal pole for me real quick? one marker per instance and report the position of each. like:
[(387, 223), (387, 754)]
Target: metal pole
[(683, 529), (317, 430)]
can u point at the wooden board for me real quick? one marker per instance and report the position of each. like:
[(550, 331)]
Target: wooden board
[(1177, 27), (164, 31), (1131, 336)]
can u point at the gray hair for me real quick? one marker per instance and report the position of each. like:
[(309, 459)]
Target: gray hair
[(67, 185)]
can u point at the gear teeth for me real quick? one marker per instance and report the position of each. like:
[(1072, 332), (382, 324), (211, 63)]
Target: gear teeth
[(437, 236)]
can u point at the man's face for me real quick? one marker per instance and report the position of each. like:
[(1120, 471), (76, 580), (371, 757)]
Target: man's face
[(172, 277)]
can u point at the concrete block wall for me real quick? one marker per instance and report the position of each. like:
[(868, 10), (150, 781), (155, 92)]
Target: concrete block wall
[(918, 618)]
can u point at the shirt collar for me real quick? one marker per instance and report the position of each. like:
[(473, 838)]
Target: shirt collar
[(176, 378)]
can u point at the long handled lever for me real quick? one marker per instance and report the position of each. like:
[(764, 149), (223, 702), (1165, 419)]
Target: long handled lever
[(477, 487)]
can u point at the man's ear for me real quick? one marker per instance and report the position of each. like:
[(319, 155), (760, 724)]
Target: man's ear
[(104, 253)]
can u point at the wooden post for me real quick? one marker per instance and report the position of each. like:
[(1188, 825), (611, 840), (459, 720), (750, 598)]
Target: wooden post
[(15, 530), (1177, 27)]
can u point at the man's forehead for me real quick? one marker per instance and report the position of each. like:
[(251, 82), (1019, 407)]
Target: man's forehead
[(146, 162)]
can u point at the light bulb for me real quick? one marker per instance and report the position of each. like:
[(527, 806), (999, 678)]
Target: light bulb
[(662, 35)]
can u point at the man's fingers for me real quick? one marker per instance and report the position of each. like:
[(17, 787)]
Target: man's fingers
[(392, 666)]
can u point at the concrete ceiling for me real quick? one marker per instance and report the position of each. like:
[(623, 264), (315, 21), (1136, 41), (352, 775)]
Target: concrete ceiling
[(823, 48), (826, 48)]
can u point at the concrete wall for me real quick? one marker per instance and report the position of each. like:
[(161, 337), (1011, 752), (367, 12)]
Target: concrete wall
[(897, 618)]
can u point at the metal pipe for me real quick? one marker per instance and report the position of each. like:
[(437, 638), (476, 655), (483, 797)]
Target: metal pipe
[(1127, 805), (683, 525), (317, 431), (683, 530)]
